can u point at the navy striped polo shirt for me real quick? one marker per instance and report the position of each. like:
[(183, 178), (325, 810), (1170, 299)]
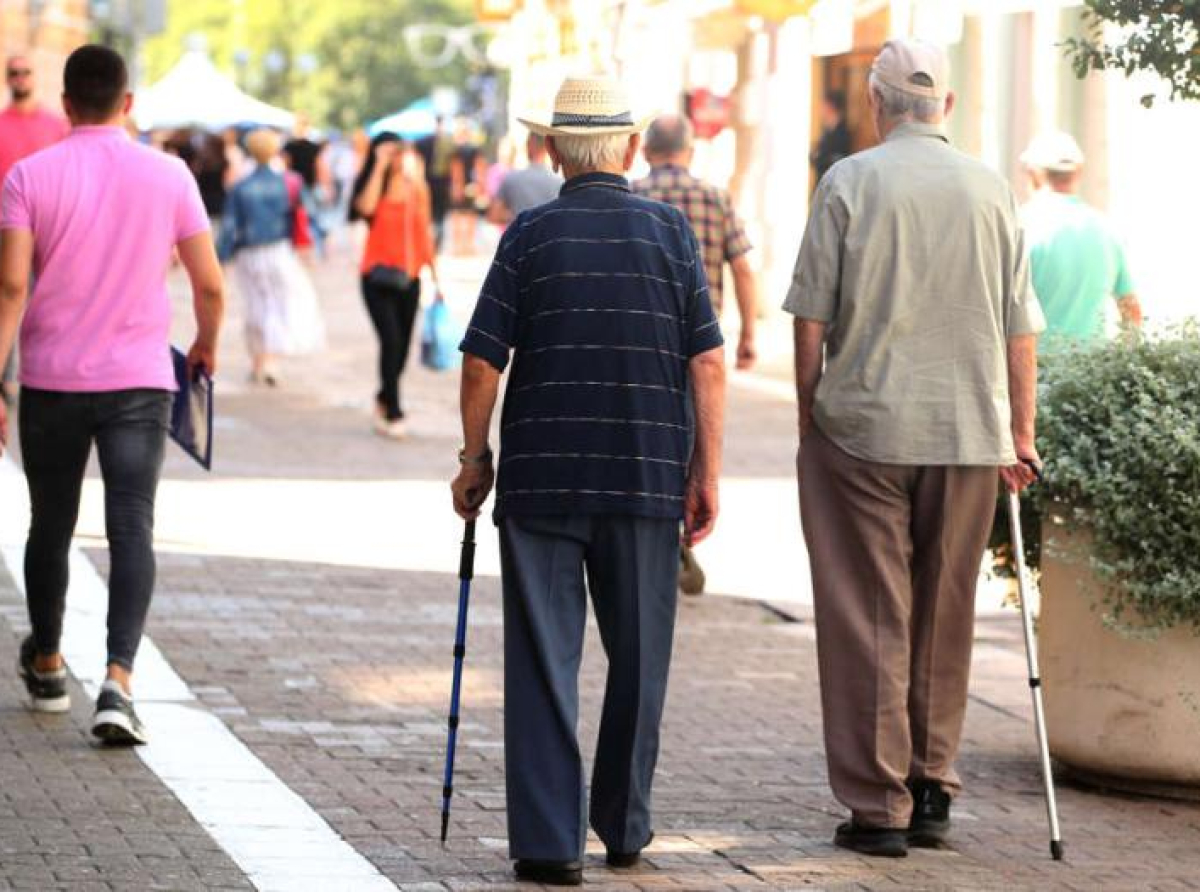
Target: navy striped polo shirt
[(601, 297)]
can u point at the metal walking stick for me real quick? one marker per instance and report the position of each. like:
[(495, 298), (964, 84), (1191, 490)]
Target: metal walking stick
[(1035, 679), (466, 569)]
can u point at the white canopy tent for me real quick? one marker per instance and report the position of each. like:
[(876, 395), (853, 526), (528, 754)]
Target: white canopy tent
[(196, 94)]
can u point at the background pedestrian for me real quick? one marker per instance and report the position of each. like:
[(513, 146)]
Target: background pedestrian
[(25, 127), (1078, 264), (392, 197), (282, 316), (528, 187)]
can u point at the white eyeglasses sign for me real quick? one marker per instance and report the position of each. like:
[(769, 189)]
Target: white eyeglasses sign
[(435, 46)]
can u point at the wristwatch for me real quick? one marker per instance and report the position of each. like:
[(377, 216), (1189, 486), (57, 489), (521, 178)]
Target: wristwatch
[(484, 458)]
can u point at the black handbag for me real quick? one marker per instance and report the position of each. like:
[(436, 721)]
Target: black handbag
[(393, 278)]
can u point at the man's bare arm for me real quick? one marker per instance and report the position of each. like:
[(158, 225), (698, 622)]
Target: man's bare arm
[(808, 338), (745, 288), (16, 261), (1022, 395), (478, 390), (199, 258), (707, 371)]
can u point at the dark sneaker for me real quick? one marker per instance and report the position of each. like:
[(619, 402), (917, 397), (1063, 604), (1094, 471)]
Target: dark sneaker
[(626, 859), (550, 873), (116, 723), (884, 842), (47, 690), (930, 823)]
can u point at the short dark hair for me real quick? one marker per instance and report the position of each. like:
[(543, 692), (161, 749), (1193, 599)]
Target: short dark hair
[(95, 81)]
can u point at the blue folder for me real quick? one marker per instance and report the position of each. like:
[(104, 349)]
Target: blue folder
[(192, 411)]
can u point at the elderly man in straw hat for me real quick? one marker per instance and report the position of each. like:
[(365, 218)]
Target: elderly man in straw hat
[(600, 297), (915, 364)]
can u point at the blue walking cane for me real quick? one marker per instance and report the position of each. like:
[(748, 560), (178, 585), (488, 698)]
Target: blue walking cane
[(466, 569)]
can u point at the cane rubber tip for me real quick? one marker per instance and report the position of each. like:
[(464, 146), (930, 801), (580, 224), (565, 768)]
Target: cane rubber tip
[(445, 827), (1056, 849)]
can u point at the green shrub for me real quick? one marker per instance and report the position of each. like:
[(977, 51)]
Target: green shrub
[(1119, 432)]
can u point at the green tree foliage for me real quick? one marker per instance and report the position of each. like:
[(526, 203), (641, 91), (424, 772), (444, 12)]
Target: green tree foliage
[(342, 62), (1159, 36)]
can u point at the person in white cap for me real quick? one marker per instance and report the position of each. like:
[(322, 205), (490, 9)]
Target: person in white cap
[(1077, 262), (915, 362), (600, 297)]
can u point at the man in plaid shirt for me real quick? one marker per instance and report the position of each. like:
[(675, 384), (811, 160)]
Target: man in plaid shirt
[(668, 148)]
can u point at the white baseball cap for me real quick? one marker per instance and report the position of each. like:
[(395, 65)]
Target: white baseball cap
[(1054, 151)]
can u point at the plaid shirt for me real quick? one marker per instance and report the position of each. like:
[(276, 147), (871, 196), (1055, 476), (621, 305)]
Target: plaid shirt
[(710, 211)]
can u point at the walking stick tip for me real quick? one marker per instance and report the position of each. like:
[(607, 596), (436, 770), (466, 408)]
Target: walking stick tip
[(445, 826), (1056, 849)]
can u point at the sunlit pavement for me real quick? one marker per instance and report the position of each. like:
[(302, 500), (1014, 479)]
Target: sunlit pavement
[(306, 603)]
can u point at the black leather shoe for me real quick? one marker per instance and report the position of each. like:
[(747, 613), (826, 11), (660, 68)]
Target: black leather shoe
[(626, 859), (550, 873), (930, 824), (884, 842)]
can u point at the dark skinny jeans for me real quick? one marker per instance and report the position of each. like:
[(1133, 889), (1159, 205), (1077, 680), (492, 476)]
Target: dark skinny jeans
[(393, 314), (57, 430)]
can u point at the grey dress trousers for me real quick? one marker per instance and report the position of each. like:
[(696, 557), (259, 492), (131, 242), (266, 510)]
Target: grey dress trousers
[(632, 566)]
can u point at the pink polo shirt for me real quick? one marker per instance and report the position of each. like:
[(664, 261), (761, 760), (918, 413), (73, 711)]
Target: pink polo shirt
[(106, 214)]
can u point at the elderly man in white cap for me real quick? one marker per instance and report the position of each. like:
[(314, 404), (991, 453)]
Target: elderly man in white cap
[(915, 360), (601, 300), (1077, 262)]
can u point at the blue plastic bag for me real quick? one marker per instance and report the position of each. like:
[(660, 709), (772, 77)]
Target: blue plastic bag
[(440, 337)]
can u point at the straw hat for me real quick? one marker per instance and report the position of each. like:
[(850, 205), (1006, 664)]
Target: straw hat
[(595, 105)]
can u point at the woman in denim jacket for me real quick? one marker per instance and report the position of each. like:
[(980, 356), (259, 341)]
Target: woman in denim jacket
[(282, 316)]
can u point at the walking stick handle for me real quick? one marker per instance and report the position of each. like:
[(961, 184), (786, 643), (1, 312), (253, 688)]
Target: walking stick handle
[(466, 564)]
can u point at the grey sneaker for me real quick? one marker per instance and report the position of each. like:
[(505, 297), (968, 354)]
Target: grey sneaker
[(116, 723), (47, 690)]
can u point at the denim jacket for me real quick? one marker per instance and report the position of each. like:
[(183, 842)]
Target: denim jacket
[(257, 212)]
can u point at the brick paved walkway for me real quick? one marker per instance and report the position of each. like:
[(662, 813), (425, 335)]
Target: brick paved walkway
[(335, 673)]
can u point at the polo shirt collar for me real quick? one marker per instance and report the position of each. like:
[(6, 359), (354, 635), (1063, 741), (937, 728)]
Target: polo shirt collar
[(910, 129), (99, 130), (591, 180)]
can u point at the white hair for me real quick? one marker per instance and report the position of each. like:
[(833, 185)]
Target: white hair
[(906, 106), (592, 152)]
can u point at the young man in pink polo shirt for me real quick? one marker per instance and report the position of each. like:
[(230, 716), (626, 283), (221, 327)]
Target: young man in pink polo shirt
[(96, 220)]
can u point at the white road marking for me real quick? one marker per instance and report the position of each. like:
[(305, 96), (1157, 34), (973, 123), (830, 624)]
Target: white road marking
[(272, 834)]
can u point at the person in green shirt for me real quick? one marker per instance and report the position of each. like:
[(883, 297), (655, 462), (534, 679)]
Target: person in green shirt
[(1077, 263)]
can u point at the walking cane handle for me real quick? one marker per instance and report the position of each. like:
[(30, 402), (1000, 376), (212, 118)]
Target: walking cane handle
[(466, 565)]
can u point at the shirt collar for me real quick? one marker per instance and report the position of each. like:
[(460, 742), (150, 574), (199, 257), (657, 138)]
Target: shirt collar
[(909, 129), (590, 180), (99, 130)]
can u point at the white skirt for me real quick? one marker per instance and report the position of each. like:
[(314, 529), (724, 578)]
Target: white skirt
[(282, 315)]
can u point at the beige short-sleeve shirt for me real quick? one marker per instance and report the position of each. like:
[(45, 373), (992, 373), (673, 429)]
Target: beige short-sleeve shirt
[(915, 258)]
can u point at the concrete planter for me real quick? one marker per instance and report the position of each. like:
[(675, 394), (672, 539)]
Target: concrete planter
[(1116, 706)]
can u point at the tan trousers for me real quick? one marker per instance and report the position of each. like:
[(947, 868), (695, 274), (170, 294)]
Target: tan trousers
[(895, 554)]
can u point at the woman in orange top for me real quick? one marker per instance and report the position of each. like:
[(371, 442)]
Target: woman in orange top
[(391, 196)]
